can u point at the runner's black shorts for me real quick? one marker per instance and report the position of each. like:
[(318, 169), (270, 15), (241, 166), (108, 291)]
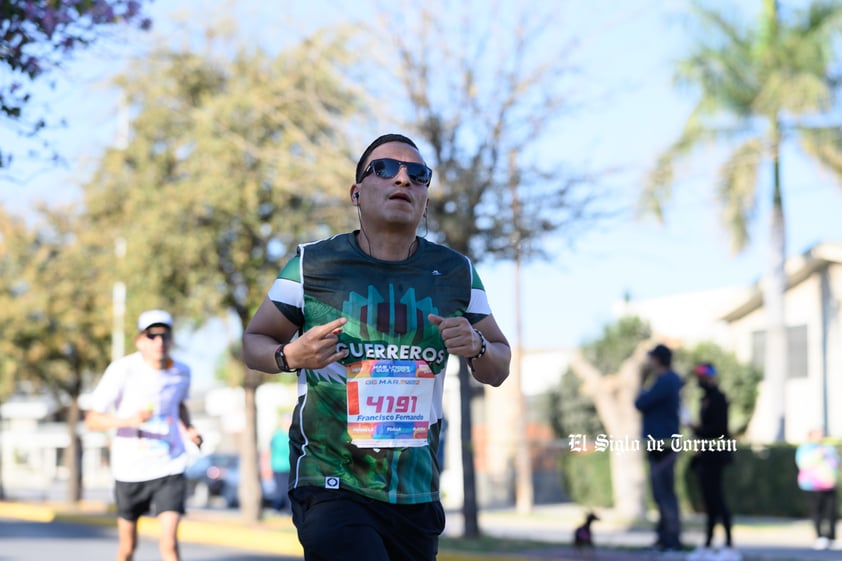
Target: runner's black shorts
[(135, 498), (339, 525)]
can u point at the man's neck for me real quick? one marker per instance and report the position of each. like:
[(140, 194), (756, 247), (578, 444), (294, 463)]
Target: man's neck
[(157, 364), (388, 246)]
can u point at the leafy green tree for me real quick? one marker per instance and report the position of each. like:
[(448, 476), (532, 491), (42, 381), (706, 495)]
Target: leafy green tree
[(12, 229), (9, 267), (610, 370), (737, 380), (485, 94), (760, 86), (232, 160), (54, 303), (617, 343), (570, 412), (36, 37)]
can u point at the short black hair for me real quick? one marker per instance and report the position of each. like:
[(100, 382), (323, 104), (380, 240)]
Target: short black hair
[(383, 139), (662, 354)]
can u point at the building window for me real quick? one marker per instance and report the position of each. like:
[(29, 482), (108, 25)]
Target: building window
[(796, 350)]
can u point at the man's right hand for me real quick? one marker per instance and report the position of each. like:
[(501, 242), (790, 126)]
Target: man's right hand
[(316, 347), (140, 417)]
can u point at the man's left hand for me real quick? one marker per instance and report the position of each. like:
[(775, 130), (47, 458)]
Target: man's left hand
[(195, 437), (458, 335)]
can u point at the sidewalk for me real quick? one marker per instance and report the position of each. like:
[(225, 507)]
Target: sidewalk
[(758, 539)]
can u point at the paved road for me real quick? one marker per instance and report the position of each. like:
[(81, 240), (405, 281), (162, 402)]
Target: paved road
[(37, 541), (759, 539)]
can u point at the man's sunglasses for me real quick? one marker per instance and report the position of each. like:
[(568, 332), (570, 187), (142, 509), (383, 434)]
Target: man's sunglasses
[(164, 335), (388, 168)]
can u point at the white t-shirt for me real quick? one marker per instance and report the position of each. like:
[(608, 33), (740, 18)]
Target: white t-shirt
[(156, 448)]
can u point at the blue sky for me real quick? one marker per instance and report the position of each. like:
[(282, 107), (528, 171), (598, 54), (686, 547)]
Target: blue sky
[(570, 298)]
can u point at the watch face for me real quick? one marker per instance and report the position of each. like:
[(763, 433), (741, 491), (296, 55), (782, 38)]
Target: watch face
[(281, 360), (279, 357)]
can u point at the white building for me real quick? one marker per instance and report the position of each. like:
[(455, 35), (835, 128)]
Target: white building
[(32, 446)]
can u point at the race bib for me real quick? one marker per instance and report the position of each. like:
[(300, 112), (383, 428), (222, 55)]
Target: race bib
[(389, 403), (155, 427)]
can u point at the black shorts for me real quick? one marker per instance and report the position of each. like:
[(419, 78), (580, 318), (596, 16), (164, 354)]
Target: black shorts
[(135, 498), (338, 525)]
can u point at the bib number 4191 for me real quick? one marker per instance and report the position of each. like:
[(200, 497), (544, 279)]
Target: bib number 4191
[(392, 404)]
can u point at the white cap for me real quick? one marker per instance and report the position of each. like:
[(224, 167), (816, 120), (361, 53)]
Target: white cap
[(153, 317)]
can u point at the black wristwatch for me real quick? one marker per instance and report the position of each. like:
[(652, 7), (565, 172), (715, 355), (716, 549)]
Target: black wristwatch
[(482, 348), (281, 360)]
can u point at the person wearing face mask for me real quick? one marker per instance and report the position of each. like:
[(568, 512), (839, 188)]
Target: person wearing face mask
[(709, 464), (141, 398), (366, 320)]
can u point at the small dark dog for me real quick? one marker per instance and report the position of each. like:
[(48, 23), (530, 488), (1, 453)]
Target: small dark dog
[(582, 536)]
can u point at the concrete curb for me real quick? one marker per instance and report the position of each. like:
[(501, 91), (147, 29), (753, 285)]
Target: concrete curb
[(28, 512), (225, 533)]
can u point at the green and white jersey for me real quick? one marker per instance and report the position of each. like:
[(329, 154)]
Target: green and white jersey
[(371, 423)]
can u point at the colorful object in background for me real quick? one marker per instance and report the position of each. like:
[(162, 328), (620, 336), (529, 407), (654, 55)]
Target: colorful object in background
[(705, 369)]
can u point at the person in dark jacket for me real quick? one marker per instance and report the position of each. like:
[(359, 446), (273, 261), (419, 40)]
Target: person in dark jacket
[(709, 465), (660, 404)]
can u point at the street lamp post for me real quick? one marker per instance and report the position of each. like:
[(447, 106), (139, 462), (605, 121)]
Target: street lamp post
[(118, 296)]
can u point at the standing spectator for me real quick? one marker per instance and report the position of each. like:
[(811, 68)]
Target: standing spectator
[(660, 403), (818, 476), (142, 398), (709, 465), (279, 461), (367, 321)]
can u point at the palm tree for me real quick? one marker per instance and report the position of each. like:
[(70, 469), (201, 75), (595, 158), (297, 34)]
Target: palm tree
[(761, 86)]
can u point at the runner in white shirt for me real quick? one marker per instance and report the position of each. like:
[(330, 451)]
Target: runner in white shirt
[(141, 398)]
